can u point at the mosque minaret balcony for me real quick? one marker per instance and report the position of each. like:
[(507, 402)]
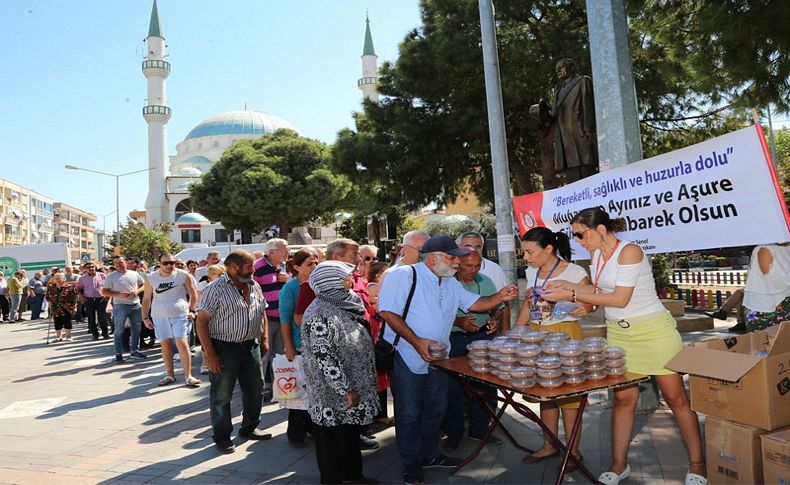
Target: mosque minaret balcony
[(156, 112), (156, 67)]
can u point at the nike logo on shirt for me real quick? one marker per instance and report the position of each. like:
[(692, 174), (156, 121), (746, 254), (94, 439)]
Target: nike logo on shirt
[(163, 287)]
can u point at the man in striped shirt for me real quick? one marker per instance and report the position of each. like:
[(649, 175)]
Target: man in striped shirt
[(271, 275), (230, 322)]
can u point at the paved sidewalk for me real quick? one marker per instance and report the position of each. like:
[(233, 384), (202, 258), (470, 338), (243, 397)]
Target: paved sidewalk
[(69, 414)]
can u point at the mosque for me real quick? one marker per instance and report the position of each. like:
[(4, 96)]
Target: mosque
[(168, 181)]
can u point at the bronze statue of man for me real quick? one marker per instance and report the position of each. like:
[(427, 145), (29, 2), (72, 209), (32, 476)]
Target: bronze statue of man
[(572, 120)]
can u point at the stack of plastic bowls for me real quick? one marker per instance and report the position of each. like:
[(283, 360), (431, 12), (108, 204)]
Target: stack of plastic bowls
[(594, 348), (478, 356), (438, 350), (572, 359), (522, 377), (549, 371), (615, 361)]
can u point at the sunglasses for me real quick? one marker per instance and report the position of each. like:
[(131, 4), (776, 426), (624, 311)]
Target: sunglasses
[(370, 258), (167, 263), (580, 235)]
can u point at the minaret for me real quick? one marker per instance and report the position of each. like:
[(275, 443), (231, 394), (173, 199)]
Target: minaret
[(368, 83), (156, 114)]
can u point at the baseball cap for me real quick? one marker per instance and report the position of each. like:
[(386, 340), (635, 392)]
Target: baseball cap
[(444, 244)]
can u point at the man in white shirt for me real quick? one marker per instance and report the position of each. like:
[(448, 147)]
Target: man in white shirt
[(437, 297)]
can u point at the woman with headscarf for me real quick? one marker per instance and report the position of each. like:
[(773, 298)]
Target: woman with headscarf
[(62, 300), (341, 375)]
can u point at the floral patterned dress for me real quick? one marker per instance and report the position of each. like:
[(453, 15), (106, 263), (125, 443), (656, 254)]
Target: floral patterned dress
[(761, 320), (338, 358), (62, 300)]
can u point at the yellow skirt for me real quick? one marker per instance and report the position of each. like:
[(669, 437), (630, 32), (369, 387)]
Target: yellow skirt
[(574, 330), (648, 345)]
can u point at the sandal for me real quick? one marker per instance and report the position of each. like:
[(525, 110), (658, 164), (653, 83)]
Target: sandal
[(612, 478), (694, 478), (167, 381), (193, 382)]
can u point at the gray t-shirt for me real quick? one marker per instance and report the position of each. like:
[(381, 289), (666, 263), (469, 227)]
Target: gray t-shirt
[(123, 282), (37, 286)]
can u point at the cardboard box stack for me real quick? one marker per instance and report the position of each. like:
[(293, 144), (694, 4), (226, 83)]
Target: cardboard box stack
[(742, 384)]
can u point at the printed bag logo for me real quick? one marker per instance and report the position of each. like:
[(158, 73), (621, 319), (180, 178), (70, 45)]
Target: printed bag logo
[(286, 384), (730, 342)]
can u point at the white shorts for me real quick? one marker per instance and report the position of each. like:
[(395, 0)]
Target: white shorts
[(171, 327)]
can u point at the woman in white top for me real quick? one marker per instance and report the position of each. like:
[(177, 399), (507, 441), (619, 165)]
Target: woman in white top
[(767, 292), (548, 255), (636, 321)]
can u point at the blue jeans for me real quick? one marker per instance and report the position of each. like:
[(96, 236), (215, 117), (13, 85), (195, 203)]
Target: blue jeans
[(454, 419), (120, 312), (242, 362), (420, 405), (35, 306)]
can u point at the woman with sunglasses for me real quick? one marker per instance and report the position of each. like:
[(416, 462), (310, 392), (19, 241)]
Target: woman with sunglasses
[(548, 255), (636, 321)]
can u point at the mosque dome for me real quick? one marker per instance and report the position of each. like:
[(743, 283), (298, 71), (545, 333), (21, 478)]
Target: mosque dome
[(241, 122), (192, 218)]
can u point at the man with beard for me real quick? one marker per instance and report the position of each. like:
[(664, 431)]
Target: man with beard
[(420, 392), (230, 322)]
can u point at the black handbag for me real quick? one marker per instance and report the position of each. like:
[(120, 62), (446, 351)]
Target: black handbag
[(383, 351)]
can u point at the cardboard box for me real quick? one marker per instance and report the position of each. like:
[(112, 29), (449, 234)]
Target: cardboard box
[(733, 452), (744, 378), (776, 457)]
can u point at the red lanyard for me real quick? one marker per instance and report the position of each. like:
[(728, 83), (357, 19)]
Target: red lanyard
[(599, 270)]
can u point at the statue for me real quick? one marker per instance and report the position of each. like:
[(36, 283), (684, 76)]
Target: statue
[(572, 120)]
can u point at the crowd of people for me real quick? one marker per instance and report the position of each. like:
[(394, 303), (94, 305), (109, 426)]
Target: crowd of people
[(329, 309)]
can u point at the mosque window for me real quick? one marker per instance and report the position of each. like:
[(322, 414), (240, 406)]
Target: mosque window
[(190, 235), (183, 207)]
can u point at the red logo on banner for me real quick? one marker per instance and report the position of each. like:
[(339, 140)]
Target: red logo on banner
[(528, 209)]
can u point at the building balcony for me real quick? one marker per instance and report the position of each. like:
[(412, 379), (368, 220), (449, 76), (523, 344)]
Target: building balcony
[(154, 67), (156, 112)]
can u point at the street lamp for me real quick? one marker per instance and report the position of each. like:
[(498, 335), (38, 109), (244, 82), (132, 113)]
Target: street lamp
[(117, 189)]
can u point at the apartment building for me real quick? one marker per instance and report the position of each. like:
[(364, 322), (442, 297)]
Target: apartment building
[(14, 213), (41, 220), (73, 226)]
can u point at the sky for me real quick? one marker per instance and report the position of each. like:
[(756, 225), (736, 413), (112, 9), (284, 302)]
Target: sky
[(73, 91)]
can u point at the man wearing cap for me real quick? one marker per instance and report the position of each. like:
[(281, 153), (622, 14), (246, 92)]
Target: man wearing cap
[(420, 392)]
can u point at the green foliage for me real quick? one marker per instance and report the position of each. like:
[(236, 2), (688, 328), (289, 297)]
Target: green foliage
[(139, 241), (355, 227), (280, 178), (782, 143), (698, 65), (454, 226), (662, 271)]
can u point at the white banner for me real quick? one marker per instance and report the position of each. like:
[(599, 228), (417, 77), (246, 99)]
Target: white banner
[(719, 193)]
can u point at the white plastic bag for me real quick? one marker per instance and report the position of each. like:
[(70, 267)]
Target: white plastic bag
[(289, 379)]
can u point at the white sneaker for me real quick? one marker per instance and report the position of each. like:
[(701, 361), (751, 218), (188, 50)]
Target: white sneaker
[(203, 369), (68, 339)]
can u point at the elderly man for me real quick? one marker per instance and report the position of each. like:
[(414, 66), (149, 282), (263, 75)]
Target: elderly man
[(470, 326), (473, 240), (420, 392), (230, 322), (410, 247), (124, 286), (89, 288), (211, 258), (271, 275)]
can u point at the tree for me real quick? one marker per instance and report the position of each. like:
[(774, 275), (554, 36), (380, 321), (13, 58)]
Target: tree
[(139, 241), (430, 129), (281, 178), (782, 141)]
